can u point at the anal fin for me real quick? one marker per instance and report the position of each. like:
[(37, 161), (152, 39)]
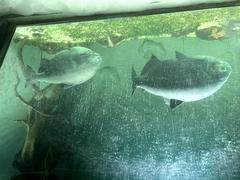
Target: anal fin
[(174, 103)]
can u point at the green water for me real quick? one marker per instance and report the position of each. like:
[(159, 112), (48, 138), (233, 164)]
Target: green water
[(119, 136), (107, 133)]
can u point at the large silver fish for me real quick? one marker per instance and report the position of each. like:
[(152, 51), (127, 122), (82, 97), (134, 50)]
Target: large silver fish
[(71, 66), (184, 79)]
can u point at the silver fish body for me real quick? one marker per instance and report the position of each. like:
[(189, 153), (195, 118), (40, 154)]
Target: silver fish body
[(71, 66), (184, 79)]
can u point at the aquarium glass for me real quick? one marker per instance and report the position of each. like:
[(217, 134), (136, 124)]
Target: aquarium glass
[(83, 7), (145, 97)]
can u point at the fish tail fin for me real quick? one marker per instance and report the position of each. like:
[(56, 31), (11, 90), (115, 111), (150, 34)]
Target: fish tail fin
[(134, 77)]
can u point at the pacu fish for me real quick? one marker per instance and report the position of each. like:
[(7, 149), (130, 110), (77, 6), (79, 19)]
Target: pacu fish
[(184, 79), (71, 66)]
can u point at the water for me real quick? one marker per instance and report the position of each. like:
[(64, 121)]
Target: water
[(102, 132)]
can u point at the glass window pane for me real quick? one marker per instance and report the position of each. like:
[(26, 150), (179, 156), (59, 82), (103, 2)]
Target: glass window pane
[(148, 97)]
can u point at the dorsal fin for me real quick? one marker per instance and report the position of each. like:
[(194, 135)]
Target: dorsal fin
[(43, 65), (180, 56), (150, 64)]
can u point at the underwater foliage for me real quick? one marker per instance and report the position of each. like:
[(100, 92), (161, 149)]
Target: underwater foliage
[(112, 31)]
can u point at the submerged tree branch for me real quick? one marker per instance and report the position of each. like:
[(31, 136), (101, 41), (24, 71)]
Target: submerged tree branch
[(27, 103)]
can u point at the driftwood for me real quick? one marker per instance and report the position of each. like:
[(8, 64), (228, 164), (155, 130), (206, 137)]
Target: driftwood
[(38, 112), (37, 154)]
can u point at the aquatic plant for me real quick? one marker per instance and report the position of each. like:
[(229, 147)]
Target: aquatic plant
[(112, 31)]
